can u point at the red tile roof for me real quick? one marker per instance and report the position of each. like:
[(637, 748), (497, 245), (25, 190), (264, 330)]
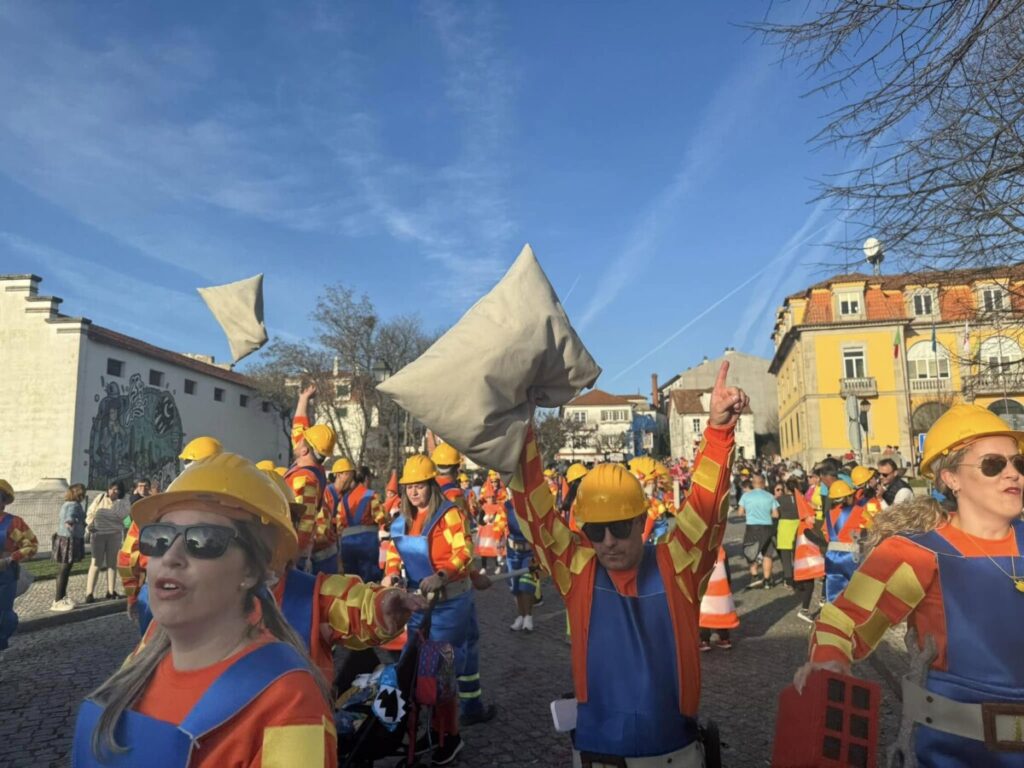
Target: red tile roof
[(115, 339), (598, 397)]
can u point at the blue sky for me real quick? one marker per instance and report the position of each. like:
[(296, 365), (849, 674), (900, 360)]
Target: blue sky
[(654, 154)]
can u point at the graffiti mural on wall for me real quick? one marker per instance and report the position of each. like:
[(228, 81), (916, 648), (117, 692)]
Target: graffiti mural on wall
[(136, 432)]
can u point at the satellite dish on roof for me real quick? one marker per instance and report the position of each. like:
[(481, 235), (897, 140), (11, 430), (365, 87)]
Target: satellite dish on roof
[(873, 254)]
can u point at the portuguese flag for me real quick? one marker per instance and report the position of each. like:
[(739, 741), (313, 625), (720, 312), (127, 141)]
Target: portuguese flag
[(896, 344)]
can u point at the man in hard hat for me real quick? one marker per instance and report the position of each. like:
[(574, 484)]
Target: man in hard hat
[(307, 479), (630, 604), (843, 525), (131, 564), (865, 492), (358, 516), (17, 545)]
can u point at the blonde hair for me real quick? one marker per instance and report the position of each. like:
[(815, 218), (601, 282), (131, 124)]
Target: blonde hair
[(124, 688), (923, 513), (75, 493)]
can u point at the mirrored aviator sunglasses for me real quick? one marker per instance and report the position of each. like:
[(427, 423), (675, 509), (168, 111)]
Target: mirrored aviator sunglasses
[(204, 542), (993, 464), (620, 529)]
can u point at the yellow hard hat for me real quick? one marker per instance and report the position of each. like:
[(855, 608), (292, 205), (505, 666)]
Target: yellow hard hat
[(575, 472), (282, 471), (609, 493), (266, 465), (643, 465), (243, 492), (861, 475), (418, 469), (201, 448), (660, 470), (463, 477), (320, 438), (839, 490), (744, 471), (492, 474), (342, 465), (958, 426), (549, 473), (6, 490), (446, 455), (298, 509)]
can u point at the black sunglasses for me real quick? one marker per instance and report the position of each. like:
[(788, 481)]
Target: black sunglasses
[(992, 464), (204, 542), (620, 529)]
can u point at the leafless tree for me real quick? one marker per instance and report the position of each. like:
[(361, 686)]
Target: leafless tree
[(551, 435), (932, 100)]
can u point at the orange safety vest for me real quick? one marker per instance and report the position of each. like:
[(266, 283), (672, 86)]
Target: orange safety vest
[(717, 608)]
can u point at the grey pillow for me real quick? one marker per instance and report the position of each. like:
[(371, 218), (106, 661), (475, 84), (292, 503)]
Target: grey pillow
[(479, 384), (238, 308)]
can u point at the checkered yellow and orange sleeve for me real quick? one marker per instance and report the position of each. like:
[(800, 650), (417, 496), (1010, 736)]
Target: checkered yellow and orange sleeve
[(131, 564), (350, 610), (21, 542)]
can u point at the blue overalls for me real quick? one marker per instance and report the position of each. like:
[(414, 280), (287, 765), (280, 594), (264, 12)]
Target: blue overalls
[(453, 620), (327, 564), (632, 707), (520, 555), (297, 604), (984, 662), (360, 545), (161, 744), (839, 565), (8, 588)]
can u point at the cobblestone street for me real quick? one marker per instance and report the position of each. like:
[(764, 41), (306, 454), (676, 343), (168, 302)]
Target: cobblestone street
[(47, 672)]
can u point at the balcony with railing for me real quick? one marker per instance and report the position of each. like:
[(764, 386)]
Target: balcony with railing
[(930, 386), (994, 383), (863, 386)]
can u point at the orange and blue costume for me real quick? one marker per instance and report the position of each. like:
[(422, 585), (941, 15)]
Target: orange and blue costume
[(315, 530), (259, 708), (645, 703), (843, 523), (17, 544), (357, 517), (956, 589)]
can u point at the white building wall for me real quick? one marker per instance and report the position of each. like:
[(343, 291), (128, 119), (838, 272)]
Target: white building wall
[(684, 439), (129, 428), (37, 388)]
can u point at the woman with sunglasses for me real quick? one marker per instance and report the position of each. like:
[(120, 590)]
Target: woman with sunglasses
[(223, 678), (430, 542), (957, 579)]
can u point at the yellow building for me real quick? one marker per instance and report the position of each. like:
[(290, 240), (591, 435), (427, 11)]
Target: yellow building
[(906, 347)]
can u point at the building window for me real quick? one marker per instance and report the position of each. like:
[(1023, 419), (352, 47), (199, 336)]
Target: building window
[(924, 363), (266, 406), (994, 299), (580, 417), (115, 367), (156, 378), (849, 304), (617, 415), (243, 401), (342, 391), (853, 363), (696, 425), (190, 387), (1000, 353), (218, 394), (343, 412), (922, 304)]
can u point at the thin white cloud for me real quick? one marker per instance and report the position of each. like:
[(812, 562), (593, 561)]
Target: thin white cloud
[(733, 102)]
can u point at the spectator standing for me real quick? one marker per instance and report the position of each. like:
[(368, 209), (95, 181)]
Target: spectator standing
[(788, 520), (141, 489), (893, 489), (105, 523), (760, 510), (68, 545)]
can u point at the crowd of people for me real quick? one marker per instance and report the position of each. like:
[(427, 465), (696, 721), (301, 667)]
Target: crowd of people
[(244, 577)]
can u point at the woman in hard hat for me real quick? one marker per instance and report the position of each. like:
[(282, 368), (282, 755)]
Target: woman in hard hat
[(843, 526), (573, 475), (223, 679), (865, 485), (131, 564), (957, 579), (429, 540), (312, 445), (17, 545), (492, 532)]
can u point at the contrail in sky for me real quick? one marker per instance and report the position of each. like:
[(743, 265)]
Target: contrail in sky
[(693, 320), (573, 288)]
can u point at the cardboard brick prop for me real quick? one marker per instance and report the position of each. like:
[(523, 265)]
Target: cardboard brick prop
[(513, 351)]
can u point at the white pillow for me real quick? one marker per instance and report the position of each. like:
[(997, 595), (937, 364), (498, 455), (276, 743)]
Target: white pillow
[(479, 384), (238, 308)]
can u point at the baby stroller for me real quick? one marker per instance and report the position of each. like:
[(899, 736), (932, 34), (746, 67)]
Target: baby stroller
[(390, 710)]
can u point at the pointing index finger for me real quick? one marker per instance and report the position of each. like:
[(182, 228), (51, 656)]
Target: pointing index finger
[(723, 374)]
